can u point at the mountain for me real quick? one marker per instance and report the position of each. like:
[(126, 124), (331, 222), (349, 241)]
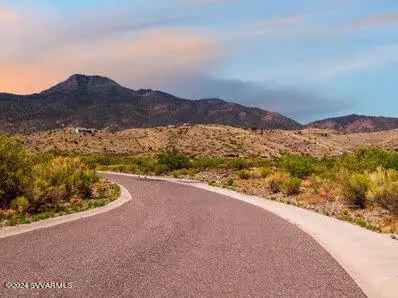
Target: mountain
[(356, 123), (98, 102)]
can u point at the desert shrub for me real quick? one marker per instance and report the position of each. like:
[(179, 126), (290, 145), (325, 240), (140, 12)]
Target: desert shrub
[(325, 168), (383, 189), (260, 172), (205, 163), (173, 160), (298, 165), (41, 157), (230, 182), (20, 204), (276, 180), (7, 213), (244, 174), (118, 168), (183, 172), (315, 183), (368, 159), (265, 172), (291, 186), (354, 189), (121, 162), (238, 164), (160, 169), (144, 165), (106, 160), (15, 170), (60, 179), (245, 163), (323, 188), (103, 189)]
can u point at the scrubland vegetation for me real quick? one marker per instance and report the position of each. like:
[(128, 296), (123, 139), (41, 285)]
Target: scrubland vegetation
[(361, 187), (38, 186)]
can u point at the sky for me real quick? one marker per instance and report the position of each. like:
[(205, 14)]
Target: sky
[(307, 59)]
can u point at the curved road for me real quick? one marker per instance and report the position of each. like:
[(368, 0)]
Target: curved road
[(174, 241)]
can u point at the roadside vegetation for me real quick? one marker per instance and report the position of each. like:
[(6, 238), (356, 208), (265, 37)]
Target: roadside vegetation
[(360, 187), (35, 186)]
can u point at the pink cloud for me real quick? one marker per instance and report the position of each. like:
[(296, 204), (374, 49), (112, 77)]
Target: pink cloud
[(7, 15), (150, 58)]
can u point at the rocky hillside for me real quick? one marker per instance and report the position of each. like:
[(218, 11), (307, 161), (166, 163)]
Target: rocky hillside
[(356, 123), (98, 102), (209, 140)]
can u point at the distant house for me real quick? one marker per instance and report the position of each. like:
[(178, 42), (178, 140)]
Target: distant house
[(80, 130)]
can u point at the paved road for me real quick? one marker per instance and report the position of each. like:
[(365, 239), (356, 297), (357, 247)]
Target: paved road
[(175, 241)]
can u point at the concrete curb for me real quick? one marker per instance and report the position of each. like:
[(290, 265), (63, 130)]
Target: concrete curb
[(125, 197), (370, 258)]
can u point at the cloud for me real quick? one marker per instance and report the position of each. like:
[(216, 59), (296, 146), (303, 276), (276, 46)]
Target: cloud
[(376, 21), (142, 53), (146, 53), (7, 15), (372, 58), (310, 27), (147, 59), (282, 22), (206, 2), (294, 102), (276, 28)]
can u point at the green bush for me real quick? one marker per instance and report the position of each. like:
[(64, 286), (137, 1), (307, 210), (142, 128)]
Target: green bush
[(60, 179), (368, 159), (383, 189), (20, 204), (238, 164), (206, 163), (291, 186), (40, 185), (354, 189), (298, 165), (173, 160), (15, 170), (122, 163)]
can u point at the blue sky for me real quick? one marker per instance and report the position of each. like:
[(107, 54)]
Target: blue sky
[(306, 59)]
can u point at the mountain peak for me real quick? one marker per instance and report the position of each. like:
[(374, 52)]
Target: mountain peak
[(81, 82), (98, 102)]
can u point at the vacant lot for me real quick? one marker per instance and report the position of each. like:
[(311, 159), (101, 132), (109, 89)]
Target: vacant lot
[(360, 187), (349, 176)]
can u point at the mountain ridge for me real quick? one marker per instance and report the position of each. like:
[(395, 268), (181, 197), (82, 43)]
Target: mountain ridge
[(356, 123), (99, 102)]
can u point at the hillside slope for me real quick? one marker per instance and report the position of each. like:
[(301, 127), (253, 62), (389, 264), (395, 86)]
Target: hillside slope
[(356, 123), (98, 102), (210, 140)]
